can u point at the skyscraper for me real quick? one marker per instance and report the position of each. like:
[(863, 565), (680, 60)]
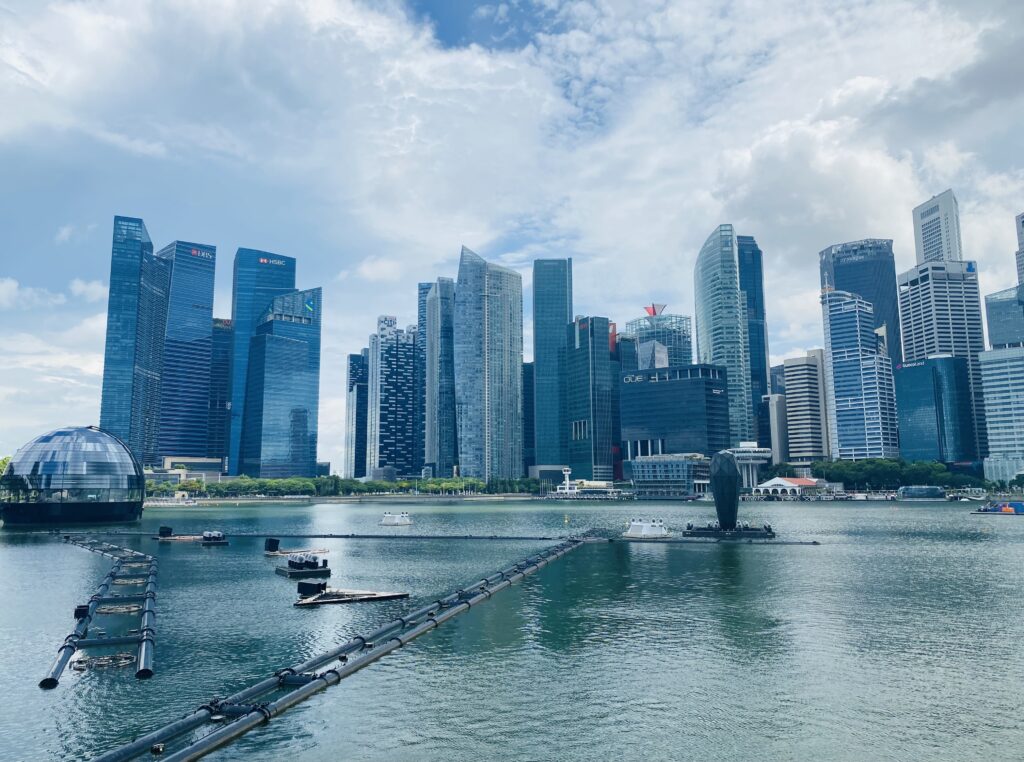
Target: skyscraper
[(751, 270), (722, 324), (1002, 374), (867, 268), (859, 389), (673, 332), (391, 399), (1019, 224), (259, 276), (441, 436), (933, 403), (529, 441), (1005, 313), (420, 419), (937, 229), (220, 389), (552, 312), (591, 376), (488, 330), (355, 415), (133, 354), (776, 404), (940, 313), (188, 348), (282, 398), (806, 409)]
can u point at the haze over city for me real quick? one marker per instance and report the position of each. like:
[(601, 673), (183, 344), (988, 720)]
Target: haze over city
[(371, 142)]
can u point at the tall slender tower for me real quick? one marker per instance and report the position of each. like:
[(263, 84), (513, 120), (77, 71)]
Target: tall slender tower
[(937, 229), (488, 329), (442, 443), (133, 354), (806, 408), (220, 389), (1019, 222), (592, 377), (391, 399), (420, 413), (722, 324), (751, 266), (355, 415), (552, 312)]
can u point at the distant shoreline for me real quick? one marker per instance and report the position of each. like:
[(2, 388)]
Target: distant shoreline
[(203, 502)]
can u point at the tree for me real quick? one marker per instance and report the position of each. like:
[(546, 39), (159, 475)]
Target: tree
[(3, 463)]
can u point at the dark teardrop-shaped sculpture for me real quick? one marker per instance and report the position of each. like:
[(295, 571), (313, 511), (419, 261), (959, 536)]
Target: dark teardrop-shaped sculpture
[(725, 486)]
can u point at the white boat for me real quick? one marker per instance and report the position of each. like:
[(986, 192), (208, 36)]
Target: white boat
[(643, 529), (402, 519)]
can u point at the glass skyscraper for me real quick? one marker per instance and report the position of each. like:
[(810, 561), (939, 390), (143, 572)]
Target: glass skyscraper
[(591, 377), (722, 324), (220, 389), (188, 350), (933, 403), (391, 399), (751, 268), (282, 398), (488, 330), (1002, 374), (867, 268), (420, 419), (133, 354), (259, 276), (356, 400), (552, 312), (529, 441), (858, 381), (673, 332), (441, 436), (1005, 313)]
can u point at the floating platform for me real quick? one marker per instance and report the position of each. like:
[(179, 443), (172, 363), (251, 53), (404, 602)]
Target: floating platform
[(347, 596), (193, 538), (279, 553), (751, 533), (320, 571)]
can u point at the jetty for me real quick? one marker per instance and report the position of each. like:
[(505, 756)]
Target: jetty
[(318, 594)]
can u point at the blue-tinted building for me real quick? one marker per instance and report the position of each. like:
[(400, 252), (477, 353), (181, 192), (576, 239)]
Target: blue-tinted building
[(440, 434), (1005, 313), (355, 415), (282, 398), (552, 312), (133, 354), (420, 421), (592, 374), (933, 403), (259, 276), (391, 405), (529, 441), (751, 268), (220, 389), (188, 347), (867, 268)]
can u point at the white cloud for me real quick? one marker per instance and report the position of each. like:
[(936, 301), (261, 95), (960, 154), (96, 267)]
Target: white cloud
[(64, 233), (90, 291), (14, 296)]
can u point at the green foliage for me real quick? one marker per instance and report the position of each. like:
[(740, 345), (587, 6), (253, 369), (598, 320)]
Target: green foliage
[(776, 469), (330, 486), (881, 473), (3, 463)]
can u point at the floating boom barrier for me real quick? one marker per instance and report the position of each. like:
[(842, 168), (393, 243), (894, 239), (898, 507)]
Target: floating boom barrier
[(134, 568), (304, 679)]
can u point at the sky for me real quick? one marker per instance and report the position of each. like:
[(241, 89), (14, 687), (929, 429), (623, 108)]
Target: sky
[(371, 140)]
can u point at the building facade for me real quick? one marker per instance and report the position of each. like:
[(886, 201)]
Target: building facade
[(669, 476), (188, 350), (282, 398), (940, 312), (1005, 313), (669, 334), (133, 353), (391, 399), (933, 403), (722, 324), (440, 430), (552, 312), (807, 431), (488, 329), (220, 390), (1002, 374), (779, 432), (259, 276), (592, 374), (861, 400), (529, 440), (867, 268), (751, 269), (674, 410), (937, 229), (356, 399), (1019, 224), (420, 416)]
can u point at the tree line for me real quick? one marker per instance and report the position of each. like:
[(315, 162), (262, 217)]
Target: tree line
[(882, 474), (331, 486)]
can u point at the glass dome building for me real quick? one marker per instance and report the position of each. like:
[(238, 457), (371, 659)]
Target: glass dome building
[(74, 475)]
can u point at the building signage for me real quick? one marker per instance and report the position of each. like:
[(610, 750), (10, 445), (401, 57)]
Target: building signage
[(202, 254), (271, 261)]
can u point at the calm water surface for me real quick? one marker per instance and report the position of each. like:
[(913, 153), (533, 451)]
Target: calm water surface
[(898, 638)]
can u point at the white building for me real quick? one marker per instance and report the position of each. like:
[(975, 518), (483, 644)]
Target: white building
[(806, 412), (748, 457), (937, 229), (786, 486), (1002, 374)]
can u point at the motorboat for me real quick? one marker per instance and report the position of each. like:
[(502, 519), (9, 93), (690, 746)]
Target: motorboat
[(643, 529), (390, 519)]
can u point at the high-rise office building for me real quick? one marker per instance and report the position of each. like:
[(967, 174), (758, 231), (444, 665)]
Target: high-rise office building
[(722, 324), (282, 397), (867, 268), (529, 441), (751, 270), (133, 354), (1019, 224), (777, 379), (591, 376), (391, 400), (441, 435), (940, 313), (937, 229), (674, 410), (671, 332), (776, 404), (1002, 375), (859, 389), (420, 419), (356, 398), (807, 431), (488, 329), (1005, 313), (188, 350), (933, 404), (552, 312), (220, 389), (259, 276)]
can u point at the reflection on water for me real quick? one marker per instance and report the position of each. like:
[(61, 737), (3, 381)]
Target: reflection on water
[(897, 638)]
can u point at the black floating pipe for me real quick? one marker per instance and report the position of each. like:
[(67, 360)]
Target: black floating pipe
[(147, 628), (374, 645)]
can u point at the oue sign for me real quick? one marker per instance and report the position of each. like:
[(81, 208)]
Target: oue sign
[(637, 379)]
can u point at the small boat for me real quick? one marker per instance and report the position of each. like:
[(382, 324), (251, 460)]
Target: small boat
[(318, 594), (1002, 508), (280, 553), (390, 519), (642, 529)]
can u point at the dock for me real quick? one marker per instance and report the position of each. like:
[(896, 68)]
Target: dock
[(320, 571), (330, 595)]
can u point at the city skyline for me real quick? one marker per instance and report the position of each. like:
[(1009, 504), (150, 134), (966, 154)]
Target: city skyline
[(629, 192)]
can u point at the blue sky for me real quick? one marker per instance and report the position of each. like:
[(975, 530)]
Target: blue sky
[(372, 140)]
